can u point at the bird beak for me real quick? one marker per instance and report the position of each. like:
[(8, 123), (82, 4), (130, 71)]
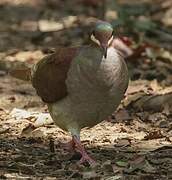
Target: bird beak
[(104, 47)]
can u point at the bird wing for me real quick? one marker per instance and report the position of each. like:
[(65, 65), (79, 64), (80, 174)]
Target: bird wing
[(49, 74)]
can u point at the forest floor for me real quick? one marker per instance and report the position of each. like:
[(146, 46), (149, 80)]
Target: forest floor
[(134, 143)]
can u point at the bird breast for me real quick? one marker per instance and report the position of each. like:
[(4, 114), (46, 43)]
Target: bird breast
[(95, 88), (92, 77)]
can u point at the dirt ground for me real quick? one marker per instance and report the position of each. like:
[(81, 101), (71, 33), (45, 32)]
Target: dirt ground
[(133, 143)]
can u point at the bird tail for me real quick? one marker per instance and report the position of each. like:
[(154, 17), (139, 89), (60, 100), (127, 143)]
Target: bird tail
[(22, 73)]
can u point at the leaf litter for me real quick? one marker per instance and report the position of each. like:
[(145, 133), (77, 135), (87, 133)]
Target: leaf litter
[(133, 143)]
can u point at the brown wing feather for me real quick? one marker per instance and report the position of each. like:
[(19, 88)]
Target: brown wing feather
[(50, 73)]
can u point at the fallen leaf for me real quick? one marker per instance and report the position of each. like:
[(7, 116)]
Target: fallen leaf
[(122, 115), (155, 101), (121, 163), (123, 142), (140, 163), (4, 130), (154, 135), (43, 119), (28, 130)]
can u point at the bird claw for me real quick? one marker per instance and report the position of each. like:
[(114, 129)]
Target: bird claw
[(88, 159), (75, 145), (79, 148)]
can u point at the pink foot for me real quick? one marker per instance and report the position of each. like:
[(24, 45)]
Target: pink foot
[(87, 158), (79, 148)]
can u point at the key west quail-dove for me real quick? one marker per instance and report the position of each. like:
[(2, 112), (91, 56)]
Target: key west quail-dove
[(82, 85)]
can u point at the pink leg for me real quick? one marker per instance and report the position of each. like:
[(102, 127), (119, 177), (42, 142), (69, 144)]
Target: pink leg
[(79, 148)]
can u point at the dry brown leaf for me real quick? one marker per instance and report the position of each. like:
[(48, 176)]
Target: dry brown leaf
[(154, 135), (122, 115), (31, 131), (28, 130), (155, 101), (4, 130), (123, 143)]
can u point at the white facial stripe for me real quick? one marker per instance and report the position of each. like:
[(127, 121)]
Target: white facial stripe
[(110, 40), (98, 42), (95, 40)]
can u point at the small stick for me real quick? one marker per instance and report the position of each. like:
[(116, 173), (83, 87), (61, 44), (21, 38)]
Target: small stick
[(51, 145)]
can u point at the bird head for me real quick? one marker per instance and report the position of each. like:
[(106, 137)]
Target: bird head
[(102, 35)]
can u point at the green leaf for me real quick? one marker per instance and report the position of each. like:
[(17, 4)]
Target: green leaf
[(121, 163)]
